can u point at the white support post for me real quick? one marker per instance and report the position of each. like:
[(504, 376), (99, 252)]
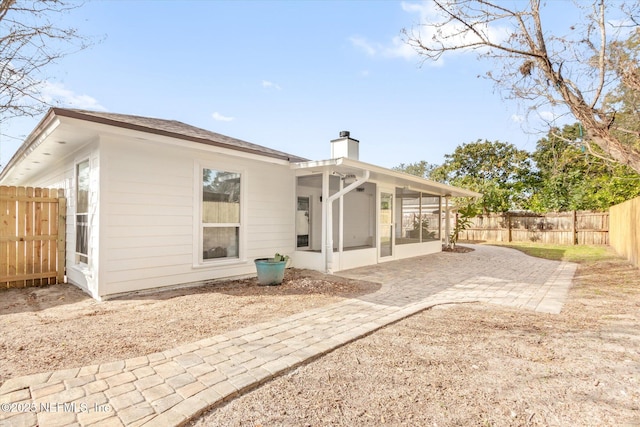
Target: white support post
[(341, 223), (447, 221), (328, 231), (325, 216)]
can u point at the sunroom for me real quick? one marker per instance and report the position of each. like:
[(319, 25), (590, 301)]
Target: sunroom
[(351, 214)]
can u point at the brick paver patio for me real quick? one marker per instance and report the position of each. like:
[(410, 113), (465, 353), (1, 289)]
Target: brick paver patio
[(174, 386)]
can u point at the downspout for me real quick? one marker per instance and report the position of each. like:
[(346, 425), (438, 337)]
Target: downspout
[(329, 219)]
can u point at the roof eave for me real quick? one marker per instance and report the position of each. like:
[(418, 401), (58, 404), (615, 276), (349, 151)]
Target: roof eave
[(35, 138), (132, 126), (444, 189)]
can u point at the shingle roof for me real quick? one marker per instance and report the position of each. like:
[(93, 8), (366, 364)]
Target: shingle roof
[(176, 129)]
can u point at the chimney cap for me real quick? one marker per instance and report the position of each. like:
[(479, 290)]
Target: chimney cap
[(345, 134)]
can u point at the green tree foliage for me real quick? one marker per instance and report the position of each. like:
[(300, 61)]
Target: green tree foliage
[(624, 100), (221, 186), (573, 69), (422, 168), (463, 220), (571, 177), (498, 170)]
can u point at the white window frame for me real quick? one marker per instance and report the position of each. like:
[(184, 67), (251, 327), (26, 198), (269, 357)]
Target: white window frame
[(78, 255), (199, 226)]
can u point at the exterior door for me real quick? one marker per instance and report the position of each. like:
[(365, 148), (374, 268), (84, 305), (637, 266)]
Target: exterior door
[(385, 235), (303, 230)]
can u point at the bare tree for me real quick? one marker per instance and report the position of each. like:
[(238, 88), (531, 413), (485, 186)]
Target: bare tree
[(30, 40), (576, 69)]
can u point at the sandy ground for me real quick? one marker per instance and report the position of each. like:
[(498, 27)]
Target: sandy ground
[(59, 327), (473, 365), (466, 364)]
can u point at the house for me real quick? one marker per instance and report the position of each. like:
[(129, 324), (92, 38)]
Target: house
[(155, 203)]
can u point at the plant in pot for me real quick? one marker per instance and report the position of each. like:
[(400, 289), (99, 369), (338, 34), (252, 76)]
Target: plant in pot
[(271, 270)]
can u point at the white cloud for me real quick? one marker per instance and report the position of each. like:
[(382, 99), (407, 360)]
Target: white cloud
[(453, 32), (219, 117), (397, 47), (518, 118), (57, 93), (364, 45), (422, 8), (547, 116), (270, 85)]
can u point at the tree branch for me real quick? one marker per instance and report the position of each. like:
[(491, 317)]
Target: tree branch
[(29, 43), (601, 54)]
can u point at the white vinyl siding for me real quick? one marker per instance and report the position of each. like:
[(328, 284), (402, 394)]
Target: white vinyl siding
[(152, 214)]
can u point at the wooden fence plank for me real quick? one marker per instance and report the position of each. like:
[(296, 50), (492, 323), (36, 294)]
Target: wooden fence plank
[(16, 198), (39, 233), (61, 231), (29, 234), (4, 231), (32, 236), (625, 229), (45, 224), (12, 228), (21, 212), (567, 228), (25, 277), (29, 238)]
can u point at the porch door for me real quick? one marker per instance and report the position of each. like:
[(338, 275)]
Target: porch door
[(303, 213), (385, 242)]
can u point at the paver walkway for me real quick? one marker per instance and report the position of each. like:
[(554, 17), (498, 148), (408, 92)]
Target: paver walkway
[(174, 386)]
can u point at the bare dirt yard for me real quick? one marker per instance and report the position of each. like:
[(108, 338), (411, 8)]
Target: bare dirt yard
[(465, 364), (474, 364), (59, 327)]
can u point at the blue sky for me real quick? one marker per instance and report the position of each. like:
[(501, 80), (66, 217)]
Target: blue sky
[(289, 75)]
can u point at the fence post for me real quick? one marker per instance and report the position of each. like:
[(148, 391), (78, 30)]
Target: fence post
[(575, 228), (509, 225)]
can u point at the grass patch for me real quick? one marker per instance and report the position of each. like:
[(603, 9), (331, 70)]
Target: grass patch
[(574, 253)]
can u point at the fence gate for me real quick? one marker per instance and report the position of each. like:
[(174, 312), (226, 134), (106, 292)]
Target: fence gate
[(32, 236)]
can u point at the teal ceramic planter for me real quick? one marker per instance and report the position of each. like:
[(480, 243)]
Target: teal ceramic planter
[(270, 272)]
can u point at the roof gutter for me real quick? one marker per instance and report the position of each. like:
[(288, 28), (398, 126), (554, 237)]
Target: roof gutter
[(328, 261)]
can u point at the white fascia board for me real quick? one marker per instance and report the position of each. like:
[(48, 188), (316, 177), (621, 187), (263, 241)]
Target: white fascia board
[(317, 164), (380, 173)]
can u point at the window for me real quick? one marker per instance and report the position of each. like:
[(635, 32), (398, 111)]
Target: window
[(220, 214), (82, 212), (302, 221), (420, 215), (430, 214)]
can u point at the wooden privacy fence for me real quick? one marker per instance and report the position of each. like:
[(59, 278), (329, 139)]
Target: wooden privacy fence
[(624, 235), (228, 212), (32, 236), (564, 228)]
